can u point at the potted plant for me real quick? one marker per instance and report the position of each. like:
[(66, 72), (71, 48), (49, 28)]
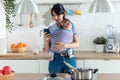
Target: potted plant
[(9, 6), (99, 43)]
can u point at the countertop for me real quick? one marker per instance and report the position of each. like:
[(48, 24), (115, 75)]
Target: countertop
[(80, 55), (32, 76), (40, 76)]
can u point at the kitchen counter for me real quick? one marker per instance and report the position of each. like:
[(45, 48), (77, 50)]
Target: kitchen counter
[(32, 76), (40, 76), (108, 76), (44, 56)]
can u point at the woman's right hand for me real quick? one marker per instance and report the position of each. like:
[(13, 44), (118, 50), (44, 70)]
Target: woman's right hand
[(46, 42), (47, 36)]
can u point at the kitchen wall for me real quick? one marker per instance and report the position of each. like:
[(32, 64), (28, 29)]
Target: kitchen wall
[(88, 26), (3, 41)]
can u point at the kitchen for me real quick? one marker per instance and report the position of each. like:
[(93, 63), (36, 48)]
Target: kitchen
[(88, 26)]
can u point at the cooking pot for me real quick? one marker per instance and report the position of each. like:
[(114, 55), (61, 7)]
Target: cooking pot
[(83, 74)]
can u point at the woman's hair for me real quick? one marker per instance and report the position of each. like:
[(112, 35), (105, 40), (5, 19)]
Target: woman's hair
[(58, 9)]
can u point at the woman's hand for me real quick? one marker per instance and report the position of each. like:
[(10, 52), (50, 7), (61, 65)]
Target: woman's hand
[(46, 42), (59, 46), (47, 36)]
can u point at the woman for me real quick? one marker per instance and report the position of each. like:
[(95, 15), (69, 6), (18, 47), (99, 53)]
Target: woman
[(57, 65)]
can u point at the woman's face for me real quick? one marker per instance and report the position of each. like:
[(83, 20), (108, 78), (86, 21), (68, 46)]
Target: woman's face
[(57, 18)]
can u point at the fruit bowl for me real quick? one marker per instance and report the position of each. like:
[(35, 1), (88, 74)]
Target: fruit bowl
[(8, 76), (19, 47)]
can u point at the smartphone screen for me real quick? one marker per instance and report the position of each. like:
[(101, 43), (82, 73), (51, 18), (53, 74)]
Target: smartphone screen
[(47, 30)]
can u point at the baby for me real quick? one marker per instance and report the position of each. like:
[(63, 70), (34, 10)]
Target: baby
[(66, 25)]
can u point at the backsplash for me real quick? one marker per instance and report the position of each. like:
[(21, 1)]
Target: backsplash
[(88, 26)]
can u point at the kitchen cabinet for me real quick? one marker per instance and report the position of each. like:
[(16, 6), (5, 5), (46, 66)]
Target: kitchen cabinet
[(43, 65), (105, 62), (104, 66), (22, 66)]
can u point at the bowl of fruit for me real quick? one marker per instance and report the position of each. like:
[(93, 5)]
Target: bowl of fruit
[(6, 73), (20, 47)]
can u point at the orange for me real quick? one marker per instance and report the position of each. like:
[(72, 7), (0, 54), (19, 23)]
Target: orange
[(24, 45), (20, 45), (13, 45)]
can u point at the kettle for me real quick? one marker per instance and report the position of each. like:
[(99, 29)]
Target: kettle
[(82, 74)]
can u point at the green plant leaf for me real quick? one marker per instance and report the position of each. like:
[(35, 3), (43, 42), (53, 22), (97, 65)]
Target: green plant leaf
[(100, 40), (9, 12)]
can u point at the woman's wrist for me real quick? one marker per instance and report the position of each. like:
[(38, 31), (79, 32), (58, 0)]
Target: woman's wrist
[(65, 45)]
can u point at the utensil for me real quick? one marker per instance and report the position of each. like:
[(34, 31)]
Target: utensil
[(70, 66), (20, 21), (78, 11), (70, 11), (31, 23), (83, 74)]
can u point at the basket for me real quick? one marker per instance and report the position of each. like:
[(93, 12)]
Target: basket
[(19, 50), (22, 50), (14, 50), (8, 77)]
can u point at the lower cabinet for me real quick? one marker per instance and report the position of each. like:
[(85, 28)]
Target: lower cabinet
[(43, 64), (107, 67), (22, 66), (104, 66)]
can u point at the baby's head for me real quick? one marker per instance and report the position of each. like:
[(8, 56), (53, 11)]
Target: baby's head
[(65, 23)]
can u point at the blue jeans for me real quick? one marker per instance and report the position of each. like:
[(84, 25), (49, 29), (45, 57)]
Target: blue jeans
[(57, 65)]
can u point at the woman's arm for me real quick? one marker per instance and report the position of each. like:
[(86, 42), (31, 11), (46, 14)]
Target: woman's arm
[(46, 42), (75, 43), (60, 45)]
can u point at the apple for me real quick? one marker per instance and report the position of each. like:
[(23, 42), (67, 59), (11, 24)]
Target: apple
[(7, 70), (1, 72)]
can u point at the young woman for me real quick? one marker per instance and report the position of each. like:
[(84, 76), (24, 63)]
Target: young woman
[(57, 65)]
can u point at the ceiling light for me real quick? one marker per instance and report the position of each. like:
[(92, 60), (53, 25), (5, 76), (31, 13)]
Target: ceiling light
[(101, 6)]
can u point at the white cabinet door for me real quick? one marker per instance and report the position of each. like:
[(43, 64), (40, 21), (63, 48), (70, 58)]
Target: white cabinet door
[(43, 66), (104, 66), (21, 66), (79, 63)]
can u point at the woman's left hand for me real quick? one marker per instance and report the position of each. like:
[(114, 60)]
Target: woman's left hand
[(59, 46)]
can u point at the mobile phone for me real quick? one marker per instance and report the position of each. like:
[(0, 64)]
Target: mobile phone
[(47, 30)]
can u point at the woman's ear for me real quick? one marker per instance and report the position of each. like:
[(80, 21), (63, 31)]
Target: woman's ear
[(64, 14)]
